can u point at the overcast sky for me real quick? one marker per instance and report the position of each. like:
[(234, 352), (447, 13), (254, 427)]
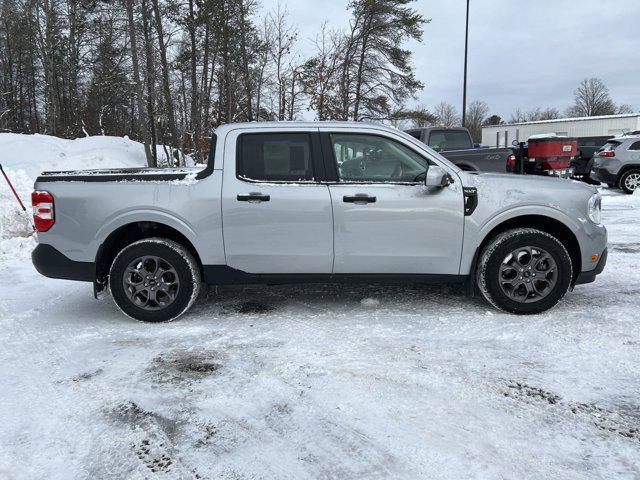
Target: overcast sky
[(522, 53)]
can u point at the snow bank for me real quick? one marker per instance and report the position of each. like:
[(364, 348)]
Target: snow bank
[(24, 157), (37, 153)]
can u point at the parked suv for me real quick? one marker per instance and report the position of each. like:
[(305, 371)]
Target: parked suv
[(316, 202), (618, 163)]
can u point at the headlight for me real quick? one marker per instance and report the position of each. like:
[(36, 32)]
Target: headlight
[(594, 208)]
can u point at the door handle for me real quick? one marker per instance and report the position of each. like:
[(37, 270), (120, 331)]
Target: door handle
[(359, 198), (254, 198)]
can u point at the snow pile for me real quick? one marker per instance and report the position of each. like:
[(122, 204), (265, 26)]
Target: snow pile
[(37, 153), (24, 157), (13, 221)]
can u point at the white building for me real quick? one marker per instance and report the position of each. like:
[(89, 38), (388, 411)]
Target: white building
[(501, 135)]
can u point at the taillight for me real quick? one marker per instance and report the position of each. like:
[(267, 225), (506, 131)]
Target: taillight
[(43, 211), (606, 153), (511, 161)]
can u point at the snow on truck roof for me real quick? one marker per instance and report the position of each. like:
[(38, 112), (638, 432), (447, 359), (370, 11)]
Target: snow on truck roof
[(302, 124)]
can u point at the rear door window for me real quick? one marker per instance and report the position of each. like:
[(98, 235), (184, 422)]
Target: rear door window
[(635, 146), (275, 157), (449, 140)]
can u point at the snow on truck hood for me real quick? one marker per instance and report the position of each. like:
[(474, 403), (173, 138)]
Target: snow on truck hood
[(511, 180)]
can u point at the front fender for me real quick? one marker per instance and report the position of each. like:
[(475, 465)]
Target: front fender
[(476, 233), (521, 211)]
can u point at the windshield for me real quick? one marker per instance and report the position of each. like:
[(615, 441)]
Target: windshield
[(449, 140)]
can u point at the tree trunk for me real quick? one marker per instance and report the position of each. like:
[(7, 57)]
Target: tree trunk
[(195, 118), (166, 88), (204, 81), (138, 82), (245, 60), (149, 76), (359, 75)]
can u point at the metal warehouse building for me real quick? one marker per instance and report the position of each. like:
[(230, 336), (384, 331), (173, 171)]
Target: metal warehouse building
[(503, 135)]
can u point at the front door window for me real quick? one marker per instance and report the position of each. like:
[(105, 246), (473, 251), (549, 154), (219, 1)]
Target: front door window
[(376, 159)]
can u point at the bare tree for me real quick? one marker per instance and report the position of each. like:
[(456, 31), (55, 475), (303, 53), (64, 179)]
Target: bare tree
[(150, 79), (320, 73), (534, 115), (591, 98), (263, 56), (49, 30), (138, 82), (281, 44), (245, 30), (624, 108), (447, 115), (166, 86), (518, 116), (192, 23), (476, 114), (549, 113)]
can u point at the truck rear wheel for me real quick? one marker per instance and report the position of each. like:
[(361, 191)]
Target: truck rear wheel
[(154, 280), (524, 271)]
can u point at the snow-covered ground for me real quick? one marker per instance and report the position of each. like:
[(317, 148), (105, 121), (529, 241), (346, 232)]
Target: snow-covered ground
[(323, 382)]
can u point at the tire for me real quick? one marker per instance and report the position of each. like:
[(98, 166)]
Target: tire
[(547, 276), (154, 280), (630, 180)]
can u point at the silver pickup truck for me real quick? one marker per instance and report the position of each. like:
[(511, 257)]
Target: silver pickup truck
[(316, 202)]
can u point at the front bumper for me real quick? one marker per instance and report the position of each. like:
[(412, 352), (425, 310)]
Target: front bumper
[(590, 276), (53, 264)]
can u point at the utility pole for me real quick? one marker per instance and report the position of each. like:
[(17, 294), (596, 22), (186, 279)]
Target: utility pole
[(466, 51)]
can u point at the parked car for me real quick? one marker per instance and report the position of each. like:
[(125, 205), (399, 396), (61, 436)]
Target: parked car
[(618, 163), (316, 202), (587, 148), (456, 144)]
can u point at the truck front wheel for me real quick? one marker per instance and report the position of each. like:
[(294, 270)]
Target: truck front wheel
[(524, 271), (154, 280)]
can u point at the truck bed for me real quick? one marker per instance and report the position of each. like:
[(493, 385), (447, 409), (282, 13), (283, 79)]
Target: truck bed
[(123, 174), (480, 159)]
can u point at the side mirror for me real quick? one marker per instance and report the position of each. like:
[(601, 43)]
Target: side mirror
[(436, 177)]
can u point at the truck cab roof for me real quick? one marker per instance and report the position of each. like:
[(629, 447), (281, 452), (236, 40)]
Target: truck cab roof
[(222, 129)]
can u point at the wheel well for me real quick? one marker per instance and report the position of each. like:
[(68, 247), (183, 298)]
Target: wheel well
[(133, 232), (625, 169), (546, 224)]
